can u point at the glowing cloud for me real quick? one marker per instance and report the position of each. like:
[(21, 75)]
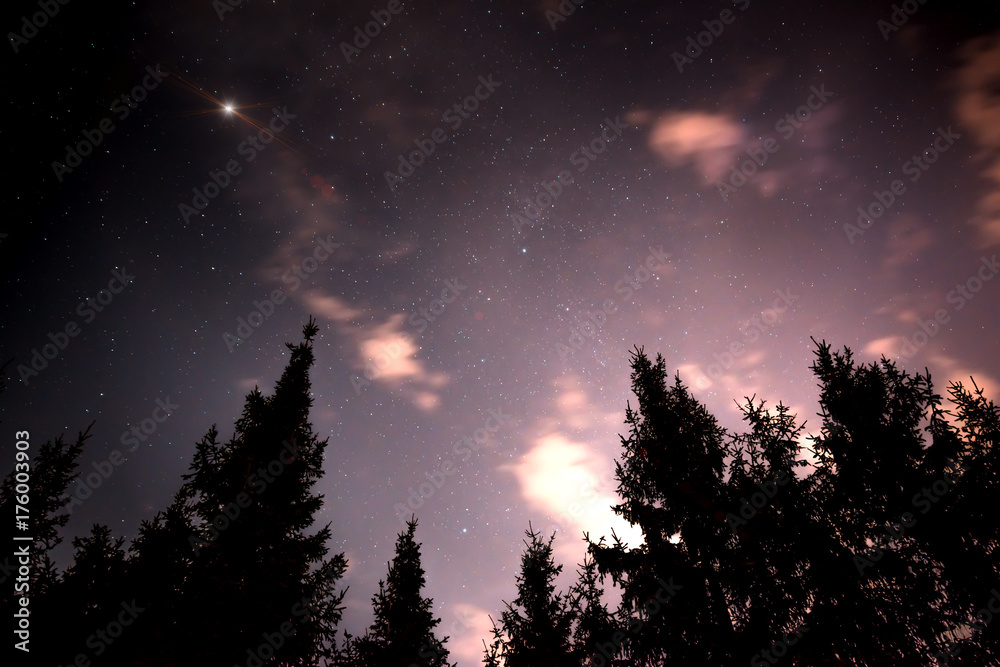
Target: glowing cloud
[(572, 484), (710, 141)]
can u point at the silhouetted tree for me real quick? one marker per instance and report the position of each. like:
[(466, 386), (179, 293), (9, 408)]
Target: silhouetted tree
[(90, 600), (161, 560), (536, 628), (670, 479), (256, 583), (962, 528), (770, 517), (868, 451), (882, 554), (402, 634), (52, 467), (594, 625), (898, 501)]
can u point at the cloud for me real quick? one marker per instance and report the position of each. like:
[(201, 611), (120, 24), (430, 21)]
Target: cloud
[(951, 368), (978, 109), (954, 370), (568, 482), (466, 634), (694, 377), (945, 369), (329, 307), (573, 485), (248, 384), (709, 141), (391, 350), (907, 237), (572, 402), (387, 354), (384, 352), (887, 346), (716, 142)]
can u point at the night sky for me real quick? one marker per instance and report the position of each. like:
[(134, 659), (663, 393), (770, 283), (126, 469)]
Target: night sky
[(485, 205)]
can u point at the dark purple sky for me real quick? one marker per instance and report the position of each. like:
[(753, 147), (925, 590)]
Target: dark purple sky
[(572, 207)]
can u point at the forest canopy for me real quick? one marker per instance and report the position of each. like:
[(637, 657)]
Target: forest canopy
[(871, 542)]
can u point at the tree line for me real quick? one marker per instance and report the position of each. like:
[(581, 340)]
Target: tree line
[(871, 541)]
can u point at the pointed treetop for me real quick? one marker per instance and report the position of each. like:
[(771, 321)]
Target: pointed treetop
[(310, 329)]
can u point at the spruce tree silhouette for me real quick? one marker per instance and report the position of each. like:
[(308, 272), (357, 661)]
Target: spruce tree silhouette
[(402, 634), (883, 554), (161, 559), (52, 467), (51, 471), (962, 529), (670, 481), (594, 625), (769, 514), (536, 628), (868, 451), (900, 503), (91, 596), (248, 583)]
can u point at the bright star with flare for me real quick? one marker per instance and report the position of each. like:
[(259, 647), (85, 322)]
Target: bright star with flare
[(233, 110)]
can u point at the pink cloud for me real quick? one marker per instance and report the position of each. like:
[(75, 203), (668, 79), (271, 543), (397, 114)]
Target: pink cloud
[(709, 141)]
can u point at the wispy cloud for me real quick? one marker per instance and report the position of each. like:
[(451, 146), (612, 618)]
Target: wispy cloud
[(709, 141), (978, 109)]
